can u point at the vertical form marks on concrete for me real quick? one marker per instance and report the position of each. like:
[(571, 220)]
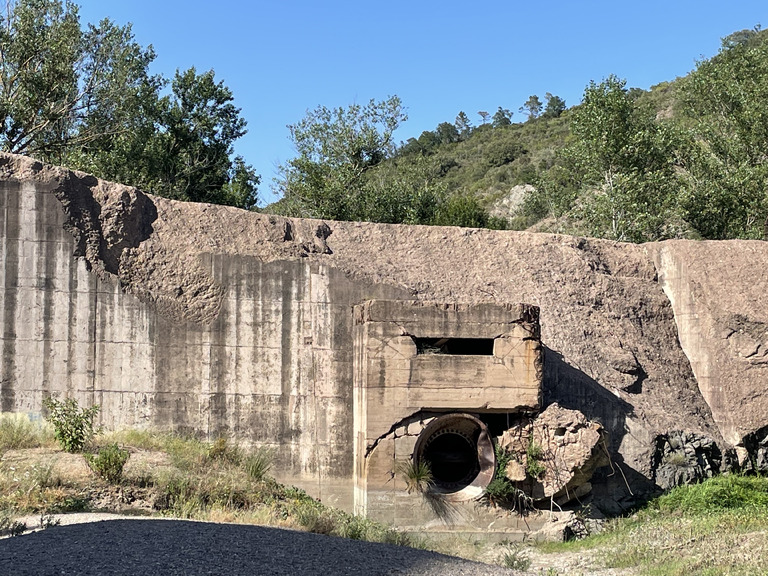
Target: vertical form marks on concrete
[(10, 268)]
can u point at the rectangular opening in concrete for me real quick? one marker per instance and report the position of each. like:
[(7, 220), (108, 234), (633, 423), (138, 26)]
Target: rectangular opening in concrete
[(454, 346)]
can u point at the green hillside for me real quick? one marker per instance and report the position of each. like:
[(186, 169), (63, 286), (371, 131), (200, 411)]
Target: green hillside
[(685, 159)]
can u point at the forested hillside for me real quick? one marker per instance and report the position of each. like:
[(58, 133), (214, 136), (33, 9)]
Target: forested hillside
[(687, 158)]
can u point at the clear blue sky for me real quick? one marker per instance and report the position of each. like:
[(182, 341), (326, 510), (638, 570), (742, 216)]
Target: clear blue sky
[(281, 58)]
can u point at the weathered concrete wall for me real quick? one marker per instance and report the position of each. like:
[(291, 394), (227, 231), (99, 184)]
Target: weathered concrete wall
[(210, 319), (719, 292), (271, 367)]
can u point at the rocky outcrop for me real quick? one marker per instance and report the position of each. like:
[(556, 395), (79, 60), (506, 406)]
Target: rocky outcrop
[(684, 458), (719, 294)]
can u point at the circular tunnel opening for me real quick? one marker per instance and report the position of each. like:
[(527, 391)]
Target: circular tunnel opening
[(452, 459), (459, 452)]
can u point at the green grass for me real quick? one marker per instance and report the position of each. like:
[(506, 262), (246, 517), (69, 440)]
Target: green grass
[(717, 527)]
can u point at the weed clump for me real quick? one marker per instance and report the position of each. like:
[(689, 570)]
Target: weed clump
[(501, 491), (258, 463), (17, 431), (11, 527), (534, 453), (73, 426), (108, 462)]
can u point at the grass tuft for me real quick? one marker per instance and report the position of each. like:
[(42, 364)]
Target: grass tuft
[(17, 432)]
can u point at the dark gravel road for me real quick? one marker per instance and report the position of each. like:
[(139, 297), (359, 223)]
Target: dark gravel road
[(176, 547)]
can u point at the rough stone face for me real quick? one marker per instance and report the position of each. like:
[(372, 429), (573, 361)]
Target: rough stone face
[(683, 458), (718, 291), (515, 471), (205, 318)]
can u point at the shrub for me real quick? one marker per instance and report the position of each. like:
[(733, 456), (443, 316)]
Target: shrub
[(73, 426), (108, 462), (316, 518), (10, 527)]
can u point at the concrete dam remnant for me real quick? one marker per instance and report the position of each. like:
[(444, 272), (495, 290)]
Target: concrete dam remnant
[(318, 338)]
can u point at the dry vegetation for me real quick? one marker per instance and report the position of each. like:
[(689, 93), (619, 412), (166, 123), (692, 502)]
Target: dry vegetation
[(718, 527)]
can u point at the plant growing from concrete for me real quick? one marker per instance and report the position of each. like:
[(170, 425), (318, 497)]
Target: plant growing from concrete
[(73, 426), (417, 476), (501, 491), (109, 462), (534, 465)]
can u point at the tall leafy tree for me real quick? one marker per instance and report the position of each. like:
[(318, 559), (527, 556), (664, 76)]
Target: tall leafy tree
[(463, 125), (199, 124), (448, 133), (627, 160), (723, 101), (84, 97), (335, 149), (554, 106), (502, 117), (40, 52), (532, 107)]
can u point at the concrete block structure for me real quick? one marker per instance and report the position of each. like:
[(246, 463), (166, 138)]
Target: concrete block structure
[(426, 374)]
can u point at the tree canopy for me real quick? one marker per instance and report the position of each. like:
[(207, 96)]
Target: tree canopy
[(84, 97)]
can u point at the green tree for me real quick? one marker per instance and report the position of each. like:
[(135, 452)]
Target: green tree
[(199, 125), (554, 107), (532, 107), (626, 159), (502, 117), (463, 125), (336, 148), (447, 133), (85, 98), (484, 115), (723, 102), (40, 44)]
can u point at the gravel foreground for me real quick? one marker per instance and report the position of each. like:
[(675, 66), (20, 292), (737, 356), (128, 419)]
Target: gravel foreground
[(180, 547)]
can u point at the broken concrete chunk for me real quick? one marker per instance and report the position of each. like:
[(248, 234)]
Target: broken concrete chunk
[(571, 448)]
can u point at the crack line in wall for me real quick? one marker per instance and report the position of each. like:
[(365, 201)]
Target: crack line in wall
[(421, 414)]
